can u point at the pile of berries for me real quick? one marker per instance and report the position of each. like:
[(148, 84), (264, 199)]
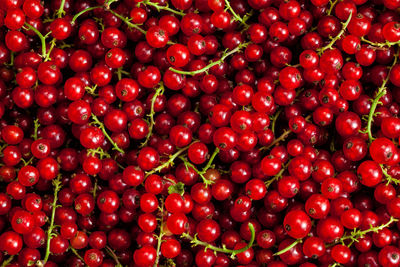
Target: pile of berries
[(148, 133)]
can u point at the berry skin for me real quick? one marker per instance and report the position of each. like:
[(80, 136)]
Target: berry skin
[(297, 224)]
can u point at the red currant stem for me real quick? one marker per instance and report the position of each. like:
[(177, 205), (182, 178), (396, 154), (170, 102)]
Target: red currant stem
[(60, 11), (274, 118), (161, 234), (331, 7), (357, 233), (83, 12), (125, 72), (196, 242), (335, 264), (91, 90), (12, 54), (212, 64), (200, 173), (159, 91), (76, 253), (127, 21), (388, 177), (103, 129), (1, 149), (204, 170), (280, 252), (119, 74), (7, 261), (57, 187), (169, 162), (53, 44), (211, 159), (112, 255), (27, 162), (275, 178), (98, 151), (41, 37), (108, 3), (375, 101), (379, 45), (235, 15), (35, 129), (94, 192), (282, 137), (100, 22), (340, 34), (159, 7)]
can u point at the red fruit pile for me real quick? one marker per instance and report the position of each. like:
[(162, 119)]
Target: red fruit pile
[(148, 133)]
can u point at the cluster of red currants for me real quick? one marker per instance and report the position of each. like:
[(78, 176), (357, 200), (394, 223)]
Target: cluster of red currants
[(149, 133)]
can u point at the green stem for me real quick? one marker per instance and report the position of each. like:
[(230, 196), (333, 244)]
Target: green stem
[(340, 34), (35, 129), (127, 21), (103, 129), (375, 101), (204, 170), (388, 177), (282, 137), (166, 8), (27, 162), (280, 252), (212, 64), (7, 261), (331, 7), (161, 234), (98, 151), (112, 255), (52, 45), (76, 254), (57, 187), (196, 242), (91, 90), (235, 15), (108, 3), (274, 118), (169, 162), (275, 178), (380, 45), (60, 11), (211, 159), (119, 74), (159, 91), (83, 12), (95, 188), (357, 234), (41, 37)]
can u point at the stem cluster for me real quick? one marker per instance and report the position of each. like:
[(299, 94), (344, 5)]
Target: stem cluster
[(356, 234), (381, 92), (204, 170), (337, 37), (159, 91), (169, 162), (196, 242), (50, 234), (214, 63), (160, 7), (99, 124)]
